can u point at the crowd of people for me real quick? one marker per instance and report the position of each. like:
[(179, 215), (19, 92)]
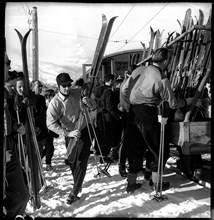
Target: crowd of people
[(122, 111)]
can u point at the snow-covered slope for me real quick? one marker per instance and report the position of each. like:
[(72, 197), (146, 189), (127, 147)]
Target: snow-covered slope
[(107, 197)]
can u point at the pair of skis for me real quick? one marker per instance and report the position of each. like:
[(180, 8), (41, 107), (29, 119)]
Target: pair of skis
[(100, 48), (36, 179), (154, 43), (71, 152)]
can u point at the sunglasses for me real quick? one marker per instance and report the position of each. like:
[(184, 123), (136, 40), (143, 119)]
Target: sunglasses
[(68, 85), (8, 62)]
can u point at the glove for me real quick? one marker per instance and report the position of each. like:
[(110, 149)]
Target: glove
[(37, 130), (89, 102), (8, 155), (163, 109), (21, 129)]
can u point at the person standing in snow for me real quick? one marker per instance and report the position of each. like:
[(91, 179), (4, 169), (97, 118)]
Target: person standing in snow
[(15, 190), (108, 118), (48, 151), (132, 146), (39, 113), (150, 89), (62, 115)]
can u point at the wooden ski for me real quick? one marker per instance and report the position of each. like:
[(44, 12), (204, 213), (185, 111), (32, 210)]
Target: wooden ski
[(202, 57), (151, 43), (194, 54), (100, 50), (32, 146), (177, 76), (198, 93), (144, 51)]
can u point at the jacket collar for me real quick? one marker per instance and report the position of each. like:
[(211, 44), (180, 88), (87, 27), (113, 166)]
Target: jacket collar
[(61, 96)]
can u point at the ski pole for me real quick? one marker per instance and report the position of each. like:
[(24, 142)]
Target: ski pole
[(163, 111), (104, 171), (92, 142)]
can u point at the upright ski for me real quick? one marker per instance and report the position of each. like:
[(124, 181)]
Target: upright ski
[(151, 43), (100, 50), (32, 145)]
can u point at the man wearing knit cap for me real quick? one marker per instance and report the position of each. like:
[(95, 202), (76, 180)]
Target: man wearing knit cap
[(62, 115)]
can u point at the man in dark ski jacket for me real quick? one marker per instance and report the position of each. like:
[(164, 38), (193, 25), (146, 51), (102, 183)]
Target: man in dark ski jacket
[(15, 194), (107, 117), (39, 113)]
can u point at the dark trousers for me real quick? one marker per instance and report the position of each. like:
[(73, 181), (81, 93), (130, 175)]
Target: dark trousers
[(48, 151), (146, 119), (79, 167), (41, 147), (134, 144), (123, 151), (123, 148), (16, 191)]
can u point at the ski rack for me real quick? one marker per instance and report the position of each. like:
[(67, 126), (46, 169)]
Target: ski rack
[(194, 27)]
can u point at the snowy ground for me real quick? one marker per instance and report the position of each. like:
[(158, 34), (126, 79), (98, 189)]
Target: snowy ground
[(107, 197)]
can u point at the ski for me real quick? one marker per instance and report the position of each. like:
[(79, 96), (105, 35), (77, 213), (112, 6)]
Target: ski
[(99, 44), (144, 51), (177, 76), (179, 23), (100, 52), (188, 51), (35, 178), (195, 52), (198, 92), (202, 55), (135, 58), (175, 57), (170, 38), (158, 39), (151, 43)]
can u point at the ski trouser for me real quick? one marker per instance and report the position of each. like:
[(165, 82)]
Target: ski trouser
[(79, 167), (49, 148), (16, 191), (146, 119), (123, 151), (135, 145)]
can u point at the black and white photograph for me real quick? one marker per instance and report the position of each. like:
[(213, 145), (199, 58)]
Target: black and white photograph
[(107, 110)]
